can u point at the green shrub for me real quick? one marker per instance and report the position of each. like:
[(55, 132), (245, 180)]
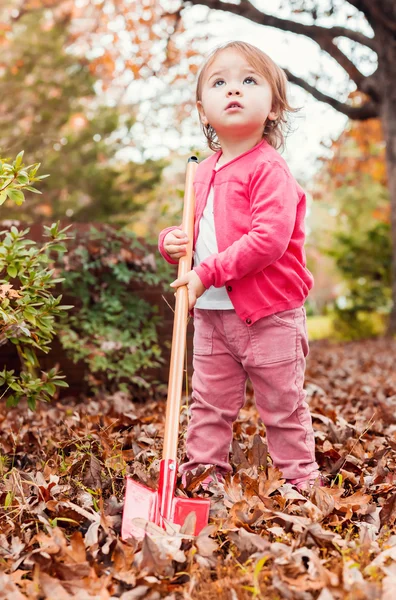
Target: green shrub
[(364, 259), (28, 309), (111, 329)]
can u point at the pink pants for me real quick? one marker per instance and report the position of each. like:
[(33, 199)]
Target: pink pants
[(271, 352)]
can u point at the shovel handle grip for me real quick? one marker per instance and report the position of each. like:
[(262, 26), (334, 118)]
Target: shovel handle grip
[(175, 384)]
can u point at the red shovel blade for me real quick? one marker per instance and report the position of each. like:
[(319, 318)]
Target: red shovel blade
[(140, 501), (160, 506), (182, 507)]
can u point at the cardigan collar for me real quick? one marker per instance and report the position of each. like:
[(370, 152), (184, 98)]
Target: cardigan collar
[(212, 160)]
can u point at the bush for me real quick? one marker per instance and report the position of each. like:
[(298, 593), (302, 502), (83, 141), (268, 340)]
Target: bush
[(364, 259), (111, 329), (27, 307)]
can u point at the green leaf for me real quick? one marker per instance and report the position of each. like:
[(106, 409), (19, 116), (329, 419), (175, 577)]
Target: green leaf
[(8, 499), (3, 197), (16, 387), (31, 402), (25, 330), (60, 383), (22, 178), (16, 196), (12, 271), (50, 388), (32, 189), (11, 401), (30, 318), (18, 160), (31, 357), (59, 247)]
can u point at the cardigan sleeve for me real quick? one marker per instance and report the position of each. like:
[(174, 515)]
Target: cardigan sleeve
[(273, 203)]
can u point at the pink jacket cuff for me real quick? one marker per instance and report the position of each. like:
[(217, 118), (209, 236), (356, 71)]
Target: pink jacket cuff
[(203, 275), (161, 248)]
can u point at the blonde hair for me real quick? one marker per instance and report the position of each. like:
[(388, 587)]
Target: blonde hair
[(274, 130)]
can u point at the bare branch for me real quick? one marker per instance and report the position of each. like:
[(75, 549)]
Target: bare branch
[(373, 13), (361, 113), (315, 32), (359, 4), (330, 47)]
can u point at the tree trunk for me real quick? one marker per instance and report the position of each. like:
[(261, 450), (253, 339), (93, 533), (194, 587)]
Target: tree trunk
[(387, 75)]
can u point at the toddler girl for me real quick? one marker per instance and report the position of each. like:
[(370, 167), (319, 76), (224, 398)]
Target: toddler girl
[(249, 281)]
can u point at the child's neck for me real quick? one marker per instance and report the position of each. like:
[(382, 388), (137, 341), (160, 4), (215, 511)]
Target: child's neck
[(233, 148)]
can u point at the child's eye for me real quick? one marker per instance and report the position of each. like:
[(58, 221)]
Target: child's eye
[(251, 79), (218, 81)]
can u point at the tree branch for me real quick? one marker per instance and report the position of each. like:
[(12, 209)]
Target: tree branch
[(373, 13), (369, 110), (315, 32), (359, 4), (330, 47)]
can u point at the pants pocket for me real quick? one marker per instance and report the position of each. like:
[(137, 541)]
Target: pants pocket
[(203, 334), (287, 318), (274, 338)]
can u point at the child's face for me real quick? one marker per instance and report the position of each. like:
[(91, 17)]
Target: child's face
[(230, 78)]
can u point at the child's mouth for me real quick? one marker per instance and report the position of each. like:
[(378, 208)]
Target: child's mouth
[(233, 107)]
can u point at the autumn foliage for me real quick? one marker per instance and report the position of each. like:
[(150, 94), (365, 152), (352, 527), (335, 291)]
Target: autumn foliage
[(357, 158)]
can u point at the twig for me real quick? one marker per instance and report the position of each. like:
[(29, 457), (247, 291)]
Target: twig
[(371, 421)]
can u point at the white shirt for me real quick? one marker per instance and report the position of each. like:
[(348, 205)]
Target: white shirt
[(206, 244)]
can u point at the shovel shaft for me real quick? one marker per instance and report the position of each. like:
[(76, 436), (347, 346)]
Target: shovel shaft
[(166, 491), (175, 384), (162, 507)]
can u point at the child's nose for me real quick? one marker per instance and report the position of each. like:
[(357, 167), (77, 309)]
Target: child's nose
[(234, 91)]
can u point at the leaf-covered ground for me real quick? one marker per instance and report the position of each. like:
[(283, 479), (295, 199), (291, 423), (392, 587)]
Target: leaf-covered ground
[(62, 472)]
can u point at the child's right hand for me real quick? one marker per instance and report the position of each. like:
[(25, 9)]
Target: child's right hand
[(175, 244)]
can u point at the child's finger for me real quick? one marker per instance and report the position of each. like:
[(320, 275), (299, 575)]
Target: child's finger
[(175, 249), (179, 242), (180, 281), (180, 239), (179, 233)]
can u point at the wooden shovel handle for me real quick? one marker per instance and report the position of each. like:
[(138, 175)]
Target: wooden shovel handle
[(175, 384)]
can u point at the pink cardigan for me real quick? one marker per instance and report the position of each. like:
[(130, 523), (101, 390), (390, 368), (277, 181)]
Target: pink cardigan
[(259, 212)]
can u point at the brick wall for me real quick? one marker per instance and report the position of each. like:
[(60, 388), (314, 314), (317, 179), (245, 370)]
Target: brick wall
[(75, 372)]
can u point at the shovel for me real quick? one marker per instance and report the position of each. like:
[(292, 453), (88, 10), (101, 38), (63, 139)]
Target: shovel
[(160, 506)]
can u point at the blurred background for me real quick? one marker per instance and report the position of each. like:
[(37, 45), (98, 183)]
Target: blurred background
[(101, 93)]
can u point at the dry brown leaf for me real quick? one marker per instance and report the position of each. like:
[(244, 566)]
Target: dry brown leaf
[(271, 483), (206, 545), (8, 589), (52, 588), (92, 477)]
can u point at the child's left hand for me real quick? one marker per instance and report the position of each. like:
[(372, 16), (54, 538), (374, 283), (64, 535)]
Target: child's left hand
[(195, 287)]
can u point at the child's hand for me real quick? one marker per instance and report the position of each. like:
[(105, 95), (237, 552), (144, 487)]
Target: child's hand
[(175, 244), (195, 287)]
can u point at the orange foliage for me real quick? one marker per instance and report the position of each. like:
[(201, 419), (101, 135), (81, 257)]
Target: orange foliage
[(143, 52), (357, 153), (359, 150), (135, 37)]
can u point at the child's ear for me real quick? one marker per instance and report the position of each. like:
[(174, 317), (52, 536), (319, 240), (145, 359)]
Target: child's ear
[(272, 115), (202, 115)]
